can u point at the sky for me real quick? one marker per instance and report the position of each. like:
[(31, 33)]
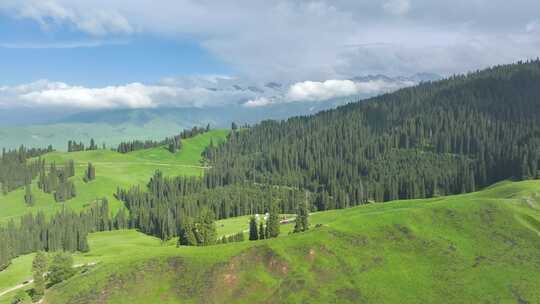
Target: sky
[(94, 54)]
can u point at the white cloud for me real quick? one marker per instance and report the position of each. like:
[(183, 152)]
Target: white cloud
[(44, 93), (316, 91), (397, 7), (196, 91), (296, 40), (257, 102)]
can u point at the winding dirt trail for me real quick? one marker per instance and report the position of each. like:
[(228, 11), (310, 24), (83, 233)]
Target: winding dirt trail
[(30, 281)]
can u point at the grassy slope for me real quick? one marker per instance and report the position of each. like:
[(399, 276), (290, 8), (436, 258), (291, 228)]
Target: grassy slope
[(112, 169), (479, 247)]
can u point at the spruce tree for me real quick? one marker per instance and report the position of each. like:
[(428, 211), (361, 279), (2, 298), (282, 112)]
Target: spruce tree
[(187, 233), (301, 222), (39, 269), (272, 224), (253, 235), (90, 173), (206, 228), (262, 231), (28, 196)]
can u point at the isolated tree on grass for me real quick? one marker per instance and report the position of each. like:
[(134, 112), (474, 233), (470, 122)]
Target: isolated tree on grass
[(301, 222), (39, 269), (61, 268), (28, 196), (253, 235), (90, 173), (272, 225)]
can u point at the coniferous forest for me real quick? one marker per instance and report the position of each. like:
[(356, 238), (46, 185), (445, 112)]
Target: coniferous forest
[(452, 136), (448, 137)]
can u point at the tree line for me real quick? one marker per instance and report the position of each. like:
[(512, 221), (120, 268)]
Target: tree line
[(168, 203), (173, 143), (73, 146), (64, 231)]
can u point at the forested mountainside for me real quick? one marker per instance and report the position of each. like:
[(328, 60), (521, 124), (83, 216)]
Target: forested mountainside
[(438, 138), (447, 137)]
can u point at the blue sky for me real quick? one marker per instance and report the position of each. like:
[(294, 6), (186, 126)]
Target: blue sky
[(141, 53), (29, 53)]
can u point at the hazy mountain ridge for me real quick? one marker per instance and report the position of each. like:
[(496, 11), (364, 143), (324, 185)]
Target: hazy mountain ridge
[(38, 127)]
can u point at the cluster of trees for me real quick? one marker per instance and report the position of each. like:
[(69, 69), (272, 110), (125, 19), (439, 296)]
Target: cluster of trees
[(64, 231), (15, 169), (237, 237), (56, 180), (73, 146), (167, 202), (58, 270), (438, 138), (173, 143), (134, 145), (200, 231), (262, 231)]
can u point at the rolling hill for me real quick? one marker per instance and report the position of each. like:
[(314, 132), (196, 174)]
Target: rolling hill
[(113, 170), (425, 151), (477, 247)]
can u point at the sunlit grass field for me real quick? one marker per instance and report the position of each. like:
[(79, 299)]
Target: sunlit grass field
[(112, 170), (472, 248)]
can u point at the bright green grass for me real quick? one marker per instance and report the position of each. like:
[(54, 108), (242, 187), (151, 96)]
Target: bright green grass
[(113, 170), (481, 247)]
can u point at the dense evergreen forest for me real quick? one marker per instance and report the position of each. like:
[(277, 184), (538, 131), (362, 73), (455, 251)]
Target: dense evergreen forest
[(439, 138), (65, 231), (446, 137)]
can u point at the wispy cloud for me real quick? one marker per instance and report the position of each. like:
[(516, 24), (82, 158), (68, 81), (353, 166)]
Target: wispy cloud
[(62, 45)]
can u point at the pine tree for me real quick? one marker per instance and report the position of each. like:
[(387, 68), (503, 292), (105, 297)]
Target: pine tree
[(28, 196), (206, 228), (172, 148), (39, 269), (272, 224), (262, 231), (187, 233), (90, 173), (253, 235), (301, 222)]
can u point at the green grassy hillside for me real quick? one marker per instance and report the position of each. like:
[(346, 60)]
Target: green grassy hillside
[(112, 170), (481, 247)]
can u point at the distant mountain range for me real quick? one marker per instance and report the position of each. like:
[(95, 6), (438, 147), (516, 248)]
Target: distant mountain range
[(39, 127)]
